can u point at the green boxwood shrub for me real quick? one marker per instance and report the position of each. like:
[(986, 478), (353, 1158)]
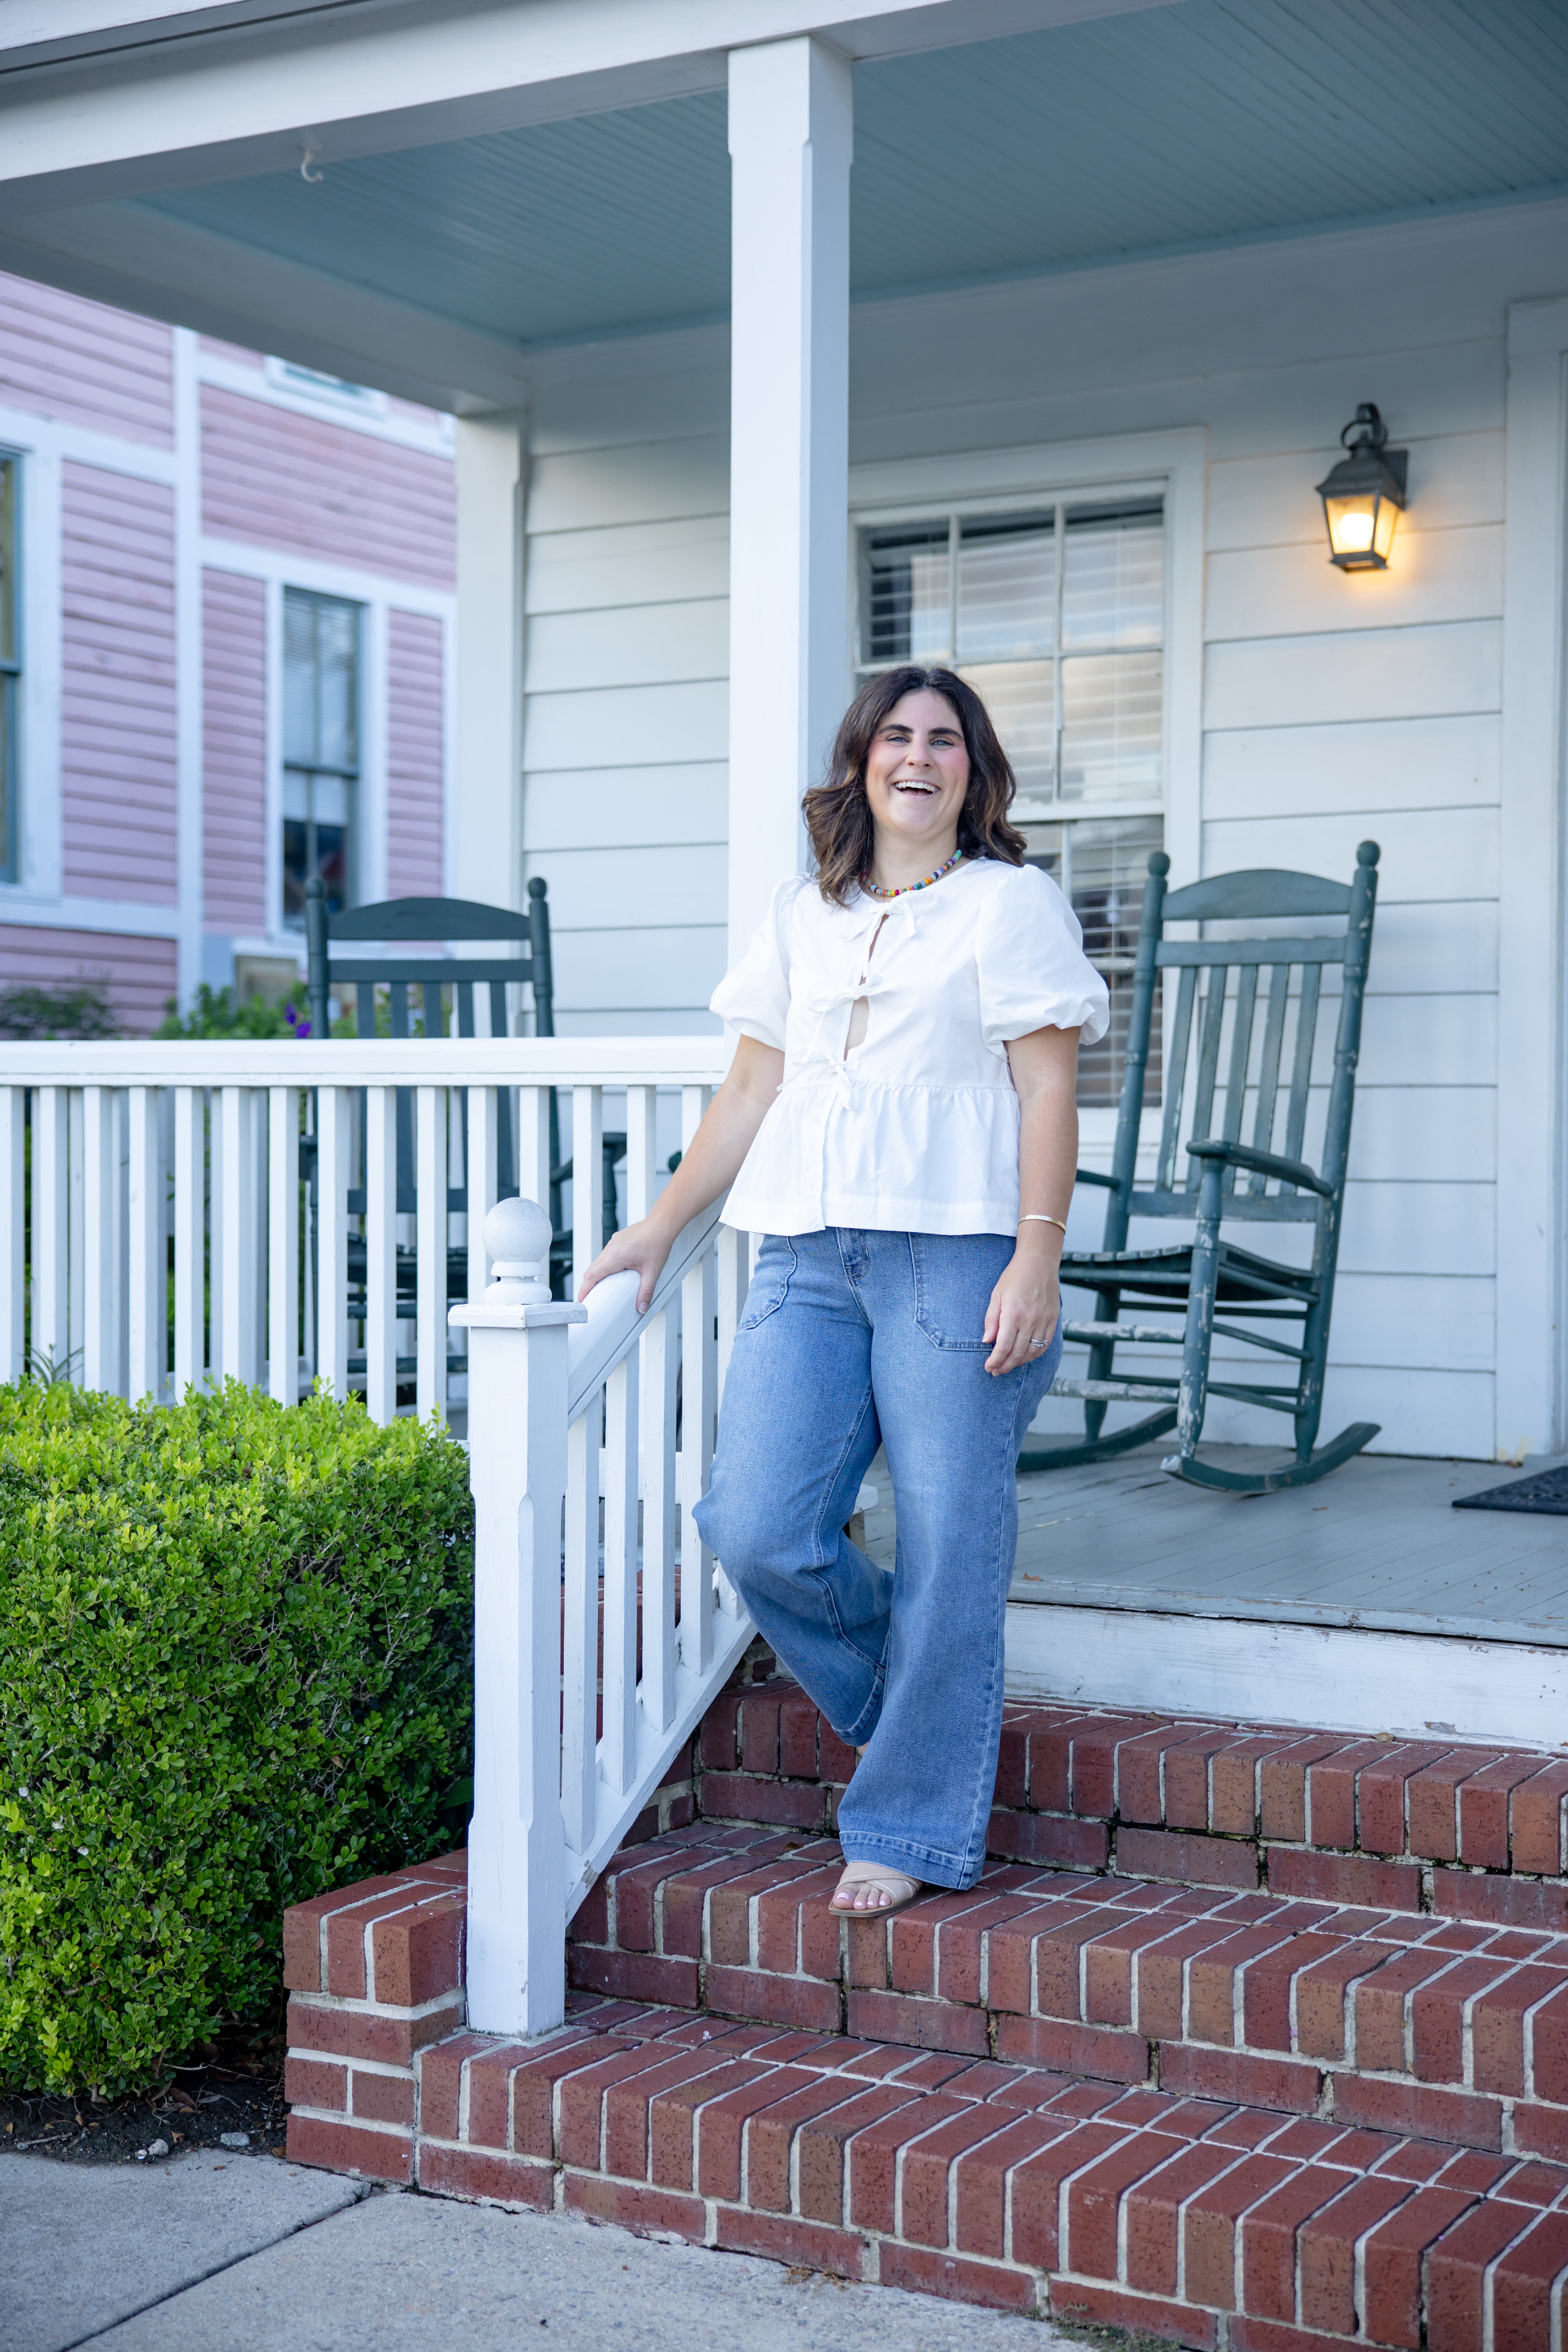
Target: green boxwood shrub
[(235, 1657)]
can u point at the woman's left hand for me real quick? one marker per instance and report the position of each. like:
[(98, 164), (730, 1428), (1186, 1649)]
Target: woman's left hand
[(1021, 1319)]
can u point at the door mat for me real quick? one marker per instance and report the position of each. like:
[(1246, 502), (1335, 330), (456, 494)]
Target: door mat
[(1546, 1491)]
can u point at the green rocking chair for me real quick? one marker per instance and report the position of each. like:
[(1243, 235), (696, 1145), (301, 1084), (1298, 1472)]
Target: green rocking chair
[(1216, 1180)]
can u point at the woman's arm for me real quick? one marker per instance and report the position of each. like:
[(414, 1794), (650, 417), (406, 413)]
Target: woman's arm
[(708, 1168), (1026, 1303)]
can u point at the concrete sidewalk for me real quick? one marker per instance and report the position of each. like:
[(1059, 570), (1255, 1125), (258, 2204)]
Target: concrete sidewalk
[(246, 2254)]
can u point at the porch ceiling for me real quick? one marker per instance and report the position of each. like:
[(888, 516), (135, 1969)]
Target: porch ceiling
[(1141, 127), (1207, 121)]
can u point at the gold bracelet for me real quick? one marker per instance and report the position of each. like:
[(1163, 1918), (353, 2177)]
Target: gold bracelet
[(1034, 1217)]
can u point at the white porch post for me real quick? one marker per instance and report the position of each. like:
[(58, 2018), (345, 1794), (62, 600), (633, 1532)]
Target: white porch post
[(517, 1463), (791, 135), (486, 826), (1532, 1276)]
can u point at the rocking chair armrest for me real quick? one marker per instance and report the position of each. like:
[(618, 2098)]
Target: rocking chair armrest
[(1092, 1176), (1267, 1164)]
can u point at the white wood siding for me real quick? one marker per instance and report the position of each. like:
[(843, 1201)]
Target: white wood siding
[(1334, 709), (626, 714)]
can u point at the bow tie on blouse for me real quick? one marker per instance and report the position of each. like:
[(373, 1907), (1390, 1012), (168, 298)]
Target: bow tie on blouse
[(865, 981)]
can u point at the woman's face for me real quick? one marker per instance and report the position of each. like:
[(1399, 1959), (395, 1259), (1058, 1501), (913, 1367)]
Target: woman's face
[(917, 773)]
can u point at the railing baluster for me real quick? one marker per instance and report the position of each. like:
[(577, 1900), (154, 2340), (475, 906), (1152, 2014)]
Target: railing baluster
[(698, 1387), (580, 1631), (13, 1233), (76, 1331), (147, 1311), (332, 1239), (642, 1150), (734, 1281), (255, 1246), (283, 1244), (430, 1249), (381, 1254), (99, 1335), (587, 1150), (215, 1298), (51, 1228), (534, 1145), (619, 1748), (120, 1233), (734, 1255), (480, 1178), (235, 1237), (657, 1370), (189, 1169)]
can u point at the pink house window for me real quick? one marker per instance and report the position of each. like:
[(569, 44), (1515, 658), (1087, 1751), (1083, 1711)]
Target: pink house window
[(321, 749)]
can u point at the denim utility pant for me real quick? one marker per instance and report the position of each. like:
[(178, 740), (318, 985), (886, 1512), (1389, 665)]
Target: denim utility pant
[(851, 1339)]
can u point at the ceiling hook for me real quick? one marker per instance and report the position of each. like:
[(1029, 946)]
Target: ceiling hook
[(309, 158)]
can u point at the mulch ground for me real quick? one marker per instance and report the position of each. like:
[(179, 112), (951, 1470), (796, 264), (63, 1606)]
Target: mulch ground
[(234, 2084)]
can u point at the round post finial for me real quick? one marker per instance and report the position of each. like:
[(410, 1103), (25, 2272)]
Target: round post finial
[(517, 1237)]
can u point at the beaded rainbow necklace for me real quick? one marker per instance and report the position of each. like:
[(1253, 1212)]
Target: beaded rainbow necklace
[(876, 890)]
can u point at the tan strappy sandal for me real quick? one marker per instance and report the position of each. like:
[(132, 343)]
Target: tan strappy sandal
[(873, 1874)]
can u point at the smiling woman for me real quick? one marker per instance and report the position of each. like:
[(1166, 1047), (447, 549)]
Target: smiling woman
[(899, 1122), (917, 759)]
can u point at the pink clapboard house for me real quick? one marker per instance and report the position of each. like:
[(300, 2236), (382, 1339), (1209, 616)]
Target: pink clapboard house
[(226, 641)]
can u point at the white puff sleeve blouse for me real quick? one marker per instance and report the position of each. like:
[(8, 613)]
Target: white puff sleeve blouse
[(916, 1128)]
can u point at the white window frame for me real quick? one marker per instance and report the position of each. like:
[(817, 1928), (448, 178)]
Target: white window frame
[(16, 669), (1170, 467), (367, 822), (310, 384)]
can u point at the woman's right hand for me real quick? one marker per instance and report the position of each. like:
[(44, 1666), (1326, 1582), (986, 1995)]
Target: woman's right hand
[(640, 1250)]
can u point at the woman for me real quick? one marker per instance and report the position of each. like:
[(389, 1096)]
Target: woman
[(899, 1122)]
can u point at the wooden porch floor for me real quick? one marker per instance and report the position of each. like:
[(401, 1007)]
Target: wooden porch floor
[(1376, 1545), (1366, 1602)]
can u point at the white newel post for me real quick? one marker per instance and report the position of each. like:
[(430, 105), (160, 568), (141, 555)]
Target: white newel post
[(517, 1458), (791, 138)]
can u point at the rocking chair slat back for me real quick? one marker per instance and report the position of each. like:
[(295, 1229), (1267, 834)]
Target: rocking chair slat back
[(1216, 1036), (1301, 1073), (1175, 1075), (1269, 1069)]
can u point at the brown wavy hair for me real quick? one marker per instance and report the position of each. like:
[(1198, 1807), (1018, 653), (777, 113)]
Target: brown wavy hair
[(838, 815)]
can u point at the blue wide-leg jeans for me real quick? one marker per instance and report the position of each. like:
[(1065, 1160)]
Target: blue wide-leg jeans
[(851, 1339)]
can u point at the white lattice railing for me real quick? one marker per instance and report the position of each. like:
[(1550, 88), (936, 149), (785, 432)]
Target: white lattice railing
[(165, 1228)]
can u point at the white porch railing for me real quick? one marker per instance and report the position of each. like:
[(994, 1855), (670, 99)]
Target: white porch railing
[(177, 1214), (587, 1678)]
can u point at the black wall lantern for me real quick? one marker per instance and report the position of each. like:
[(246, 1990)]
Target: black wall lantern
[(1363, 496)]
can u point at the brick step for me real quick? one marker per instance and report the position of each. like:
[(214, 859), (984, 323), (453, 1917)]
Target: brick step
[(1438, 1825), (1017, 2187), (1416, 2022)]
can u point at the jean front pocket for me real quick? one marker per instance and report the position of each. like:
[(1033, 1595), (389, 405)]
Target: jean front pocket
[(955, 1275), (770, 1284)]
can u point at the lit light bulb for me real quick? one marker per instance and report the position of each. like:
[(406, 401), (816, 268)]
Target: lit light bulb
[(1352, 528)]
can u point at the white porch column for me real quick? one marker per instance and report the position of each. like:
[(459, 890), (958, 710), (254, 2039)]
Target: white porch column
[(1531, 1175), (486, 827), (791, 135)]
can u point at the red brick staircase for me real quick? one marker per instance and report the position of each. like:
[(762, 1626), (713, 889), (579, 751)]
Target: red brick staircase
[(1250, 2039)]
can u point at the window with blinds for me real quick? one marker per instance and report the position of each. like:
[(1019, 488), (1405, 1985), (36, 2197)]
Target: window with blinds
[(1055, 614), (321, 749)]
